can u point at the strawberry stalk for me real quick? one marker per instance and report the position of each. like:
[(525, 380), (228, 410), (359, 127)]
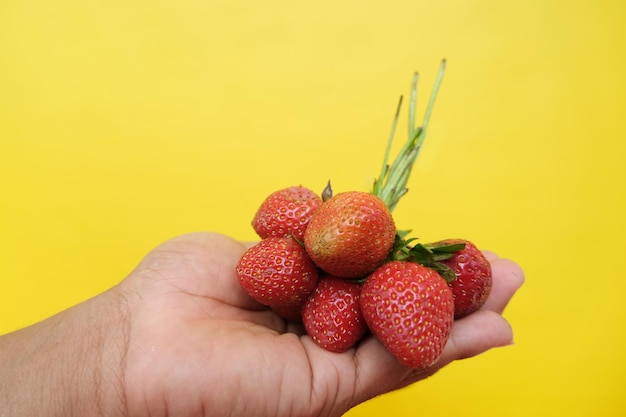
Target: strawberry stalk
[(391, 184)]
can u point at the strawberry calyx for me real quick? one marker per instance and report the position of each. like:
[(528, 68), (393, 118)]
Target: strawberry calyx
[(390, 186), (327, 193), (429, 255)]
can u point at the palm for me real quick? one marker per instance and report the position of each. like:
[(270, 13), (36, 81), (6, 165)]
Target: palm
[(198, 345)]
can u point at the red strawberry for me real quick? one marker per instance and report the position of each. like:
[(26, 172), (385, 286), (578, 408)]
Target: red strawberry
[(286, 212), (350, 234), (332, 315), (410, 309), (291, 313), (473, 277), (277, 272)]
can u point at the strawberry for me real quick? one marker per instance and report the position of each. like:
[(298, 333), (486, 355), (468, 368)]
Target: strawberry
[(350, 234), (408, 306), (286, 212), (410, 309), (278, 273), (473, 281), (291, 313), (332, 316)]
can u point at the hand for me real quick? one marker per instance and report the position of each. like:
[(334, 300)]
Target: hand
[(185, 340), (198, 344)]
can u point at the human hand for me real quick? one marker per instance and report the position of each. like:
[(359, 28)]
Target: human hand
[(199, 345), (179, 337)]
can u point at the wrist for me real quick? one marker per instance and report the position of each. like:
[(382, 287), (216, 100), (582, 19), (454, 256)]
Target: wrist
[(70, 364)]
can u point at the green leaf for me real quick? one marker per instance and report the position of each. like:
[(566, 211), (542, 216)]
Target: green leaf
[(442, 256), (429, 255), (446, 247), (400, 250), (445, 271), (421, 254)]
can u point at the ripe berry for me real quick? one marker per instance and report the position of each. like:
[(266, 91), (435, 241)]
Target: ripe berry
[(350, 234), (410, 309), (332, 315), (278, 273), (473, 281), (286, 212)]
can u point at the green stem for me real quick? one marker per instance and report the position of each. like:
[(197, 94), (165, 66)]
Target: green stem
[(433, 96), (385, 168), (391, 185), (412, 104)]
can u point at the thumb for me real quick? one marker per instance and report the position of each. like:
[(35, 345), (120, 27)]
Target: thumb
[(201, 264)]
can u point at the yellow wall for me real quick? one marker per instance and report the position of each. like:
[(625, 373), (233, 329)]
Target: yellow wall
[(123, 124)]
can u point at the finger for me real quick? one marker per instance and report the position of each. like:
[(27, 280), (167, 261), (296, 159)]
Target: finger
[(377, 371), (475, 334), (508, 277), (490, 255), (250, 244), (201, 264), (470, 336)]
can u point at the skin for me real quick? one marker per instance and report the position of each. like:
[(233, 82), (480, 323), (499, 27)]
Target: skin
[(178, 337)]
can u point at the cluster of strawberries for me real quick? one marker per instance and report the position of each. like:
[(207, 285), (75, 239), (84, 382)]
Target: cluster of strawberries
[(338, 265)]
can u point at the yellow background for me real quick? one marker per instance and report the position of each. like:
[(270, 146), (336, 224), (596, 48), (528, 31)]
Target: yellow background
[(125, 123)]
